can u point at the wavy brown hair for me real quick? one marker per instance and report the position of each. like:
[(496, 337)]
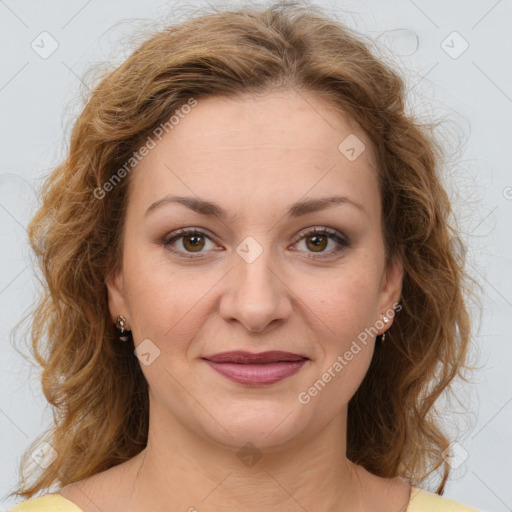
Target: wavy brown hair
[(95, 385)]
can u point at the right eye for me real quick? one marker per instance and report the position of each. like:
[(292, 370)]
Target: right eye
[(192, 241)]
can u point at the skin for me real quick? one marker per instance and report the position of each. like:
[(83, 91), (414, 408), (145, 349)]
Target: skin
[(253, 156)]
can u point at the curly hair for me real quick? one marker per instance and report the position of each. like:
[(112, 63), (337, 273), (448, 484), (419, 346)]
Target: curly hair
[(95, 385)]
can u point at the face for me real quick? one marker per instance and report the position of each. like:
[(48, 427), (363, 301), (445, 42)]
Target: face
[(267, 274)]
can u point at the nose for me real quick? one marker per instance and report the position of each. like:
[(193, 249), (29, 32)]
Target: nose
[(256, 294)]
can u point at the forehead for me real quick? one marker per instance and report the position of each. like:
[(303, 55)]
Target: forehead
[(304, 121), (281, 144)]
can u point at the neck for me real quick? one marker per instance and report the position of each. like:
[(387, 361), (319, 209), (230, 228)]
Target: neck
[(185, 471)]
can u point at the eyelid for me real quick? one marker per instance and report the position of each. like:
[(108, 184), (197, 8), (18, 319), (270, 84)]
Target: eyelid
[(321, 230), (178, 233)]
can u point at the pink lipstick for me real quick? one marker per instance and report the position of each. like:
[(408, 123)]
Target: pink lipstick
[(256, 369)]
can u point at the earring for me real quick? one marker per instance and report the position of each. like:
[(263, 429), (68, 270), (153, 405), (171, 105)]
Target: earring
[(383, 335), (124, 334)]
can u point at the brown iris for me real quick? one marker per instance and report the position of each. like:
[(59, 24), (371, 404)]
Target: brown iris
[(197, 242), (316, 244)]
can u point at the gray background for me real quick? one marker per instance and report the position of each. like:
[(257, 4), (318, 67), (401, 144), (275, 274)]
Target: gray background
[(472, 90)]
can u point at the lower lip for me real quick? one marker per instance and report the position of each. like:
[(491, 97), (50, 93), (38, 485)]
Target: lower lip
[(257, 374)]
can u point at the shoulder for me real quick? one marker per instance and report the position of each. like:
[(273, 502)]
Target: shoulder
[(422, 501), (46, 503)]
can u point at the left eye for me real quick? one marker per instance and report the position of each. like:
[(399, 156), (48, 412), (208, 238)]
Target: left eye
[(194, 240), (317, 240)]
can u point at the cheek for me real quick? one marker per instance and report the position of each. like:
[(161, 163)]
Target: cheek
[(165, 304), (345, 347), (348, 301), (347, 309)]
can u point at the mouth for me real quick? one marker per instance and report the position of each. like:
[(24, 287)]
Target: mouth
[(253, 369)]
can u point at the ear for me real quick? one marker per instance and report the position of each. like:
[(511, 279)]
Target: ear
[(391, 286), (117, 303)]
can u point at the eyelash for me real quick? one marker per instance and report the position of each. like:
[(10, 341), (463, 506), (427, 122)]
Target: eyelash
[(342, 240)]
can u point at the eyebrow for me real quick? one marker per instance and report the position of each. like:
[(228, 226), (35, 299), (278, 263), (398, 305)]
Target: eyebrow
[(211, 209)]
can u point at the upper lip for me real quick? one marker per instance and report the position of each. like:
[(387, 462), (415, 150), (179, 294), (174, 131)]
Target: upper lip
[(242, 357)]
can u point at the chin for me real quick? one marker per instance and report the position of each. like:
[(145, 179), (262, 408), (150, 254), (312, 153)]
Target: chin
[(267, 428)]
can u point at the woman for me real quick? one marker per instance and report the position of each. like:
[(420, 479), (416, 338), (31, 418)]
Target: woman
[(253, 301)]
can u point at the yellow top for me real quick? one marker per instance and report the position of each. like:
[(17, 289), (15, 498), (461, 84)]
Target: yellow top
[(46, 503), (421, 501)]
